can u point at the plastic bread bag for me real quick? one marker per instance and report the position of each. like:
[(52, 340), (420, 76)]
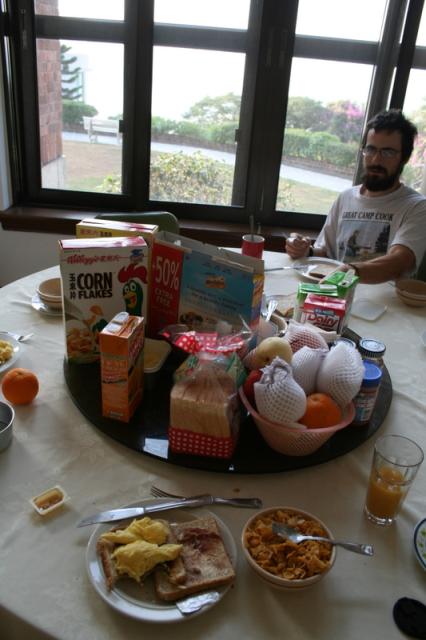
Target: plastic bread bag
[(206, 402), (220, 339)]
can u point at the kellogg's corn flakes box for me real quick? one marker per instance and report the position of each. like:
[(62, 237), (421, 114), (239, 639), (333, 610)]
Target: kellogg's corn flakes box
[(100, 278)]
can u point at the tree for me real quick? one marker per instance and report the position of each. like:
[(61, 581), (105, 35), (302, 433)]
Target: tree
[(346, 120), (215, 111), (72, 88), (308, 114)]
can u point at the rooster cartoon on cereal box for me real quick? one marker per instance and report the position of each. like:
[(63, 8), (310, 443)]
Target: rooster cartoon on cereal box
[(100, 278)]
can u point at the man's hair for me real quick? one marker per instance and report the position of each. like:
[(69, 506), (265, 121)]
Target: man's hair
[(394, 120)]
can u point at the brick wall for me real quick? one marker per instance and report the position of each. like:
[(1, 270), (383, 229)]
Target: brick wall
[(49, 90)]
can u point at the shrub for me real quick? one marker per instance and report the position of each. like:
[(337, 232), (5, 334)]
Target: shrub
[(73, 112), (296, 143)]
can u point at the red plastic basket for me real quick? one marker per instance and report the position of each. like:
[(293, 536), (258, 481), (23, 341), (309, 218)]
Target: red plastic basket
[(293, 441)]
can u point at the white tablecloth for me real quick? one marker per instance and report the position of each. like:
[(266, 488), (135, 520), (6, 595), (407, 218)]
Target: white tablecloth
[(43, 579)]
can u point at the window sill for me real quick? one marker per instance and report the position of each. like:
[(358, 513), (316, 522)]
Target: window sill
[(44, 220)]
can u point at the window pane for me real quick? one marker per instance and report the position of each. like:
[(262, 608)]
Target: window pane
[(101, 9), (205, 13), (323, 131), (361, 20), (80, 92), (421, 35), (414, 173), (195, 112)]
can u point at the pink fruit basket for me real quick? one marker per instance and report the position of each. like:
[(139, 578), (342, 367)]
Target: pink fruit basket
[(295, 440)]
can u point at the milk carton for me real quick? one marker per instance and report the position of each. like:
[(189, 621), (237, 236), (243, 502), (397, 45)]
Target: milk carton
[(121, 345), (100, 278)]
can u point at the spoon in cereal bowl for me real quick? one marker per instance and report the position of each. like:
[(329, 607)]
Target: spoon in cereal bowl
[(290, 533)]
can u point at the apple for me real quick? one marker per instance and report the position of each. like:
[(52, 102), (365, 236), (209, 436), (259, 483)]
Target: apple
[(248, 386), (269, 349)]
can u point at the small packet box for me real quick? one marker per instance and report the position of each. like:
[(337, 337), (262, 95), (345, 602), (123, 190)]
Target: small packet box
[(122, 373), (100, 278), (323, 311)]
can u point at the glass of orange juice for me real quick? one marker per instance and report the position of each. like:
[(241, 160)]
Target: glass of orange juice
[(396, 460)]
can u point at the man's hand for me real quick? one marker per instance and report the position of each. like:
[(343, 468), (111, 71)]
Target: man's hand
[(297, 246)]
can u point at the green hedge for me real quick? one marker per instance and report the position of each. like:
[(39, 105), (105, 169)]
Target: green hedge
[(73, 112), (320, 146)]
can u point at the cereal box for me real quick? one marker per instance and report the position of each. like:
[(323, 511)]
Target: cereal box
[(196, 284), (121, 345), (100, 278)]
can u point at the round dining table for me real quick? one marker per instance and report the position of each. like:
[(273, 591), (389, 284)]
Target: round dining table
[(45, 587)]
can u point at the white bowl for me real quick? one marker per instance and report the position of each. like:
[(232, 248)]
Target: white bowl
[(420, 542), (49, 292), (271, 578), (7, 416)]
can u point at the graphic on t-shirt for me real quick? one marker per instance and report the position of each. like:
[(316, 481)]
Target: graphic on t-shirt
[(363, 235)]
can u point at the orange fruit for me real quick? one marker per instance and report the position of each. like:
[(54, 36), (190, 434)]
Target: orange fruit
[(321, 411), (20, 386)]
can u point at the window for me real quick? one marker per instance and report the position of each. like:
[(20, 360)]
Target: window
[(212, 110)]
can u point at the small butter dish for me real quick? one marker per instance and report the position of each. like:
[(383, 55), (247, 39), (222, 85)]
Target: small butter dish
[(420, 542), (49, 500)]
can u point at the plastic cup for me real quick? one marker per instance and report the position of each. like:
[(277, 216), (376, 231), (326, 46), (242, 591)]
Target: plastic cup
[(253, 245), (396, 460)]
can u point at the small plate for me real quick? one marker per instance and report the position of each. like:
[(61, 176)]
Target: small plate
[(367, 310), (16, 348), (39, 305), (325, 265), (138, 602), (420, 542)]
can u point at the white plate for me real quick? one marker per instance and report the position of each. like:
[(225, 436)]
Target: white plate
[(128, 596), (16, 348), (420, 542), (367, 310), (39, 305), (310, 264)]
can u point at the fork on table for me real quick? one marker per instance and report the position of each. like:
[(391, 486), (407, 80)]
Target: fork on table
[(253, 503)]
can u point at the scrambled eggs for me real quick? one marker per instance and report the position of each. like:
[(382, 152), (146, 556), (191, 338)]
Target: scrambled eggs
[(140, 547), (139, 557), (153, 531)]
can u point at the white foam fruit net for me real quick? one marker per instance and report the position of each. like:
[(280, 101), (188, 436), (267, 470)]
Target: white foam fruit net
[(341, 373), (278, 396), (302, 335), (306, 364)]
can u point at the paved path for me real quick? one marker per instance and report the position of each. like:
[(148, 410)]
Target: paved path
[(323, 180)]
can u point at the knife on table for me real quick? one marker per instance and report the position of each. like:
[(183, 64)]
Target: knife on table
[(132, 512)]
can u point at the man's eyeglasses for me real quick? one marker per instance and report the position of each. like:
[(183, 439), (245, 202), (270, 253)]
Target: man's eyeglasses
[(387, 152)]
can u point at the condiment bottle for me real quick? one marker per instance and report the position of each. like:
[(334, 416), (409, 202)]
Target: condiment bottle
[(372, 350), (366, 399)]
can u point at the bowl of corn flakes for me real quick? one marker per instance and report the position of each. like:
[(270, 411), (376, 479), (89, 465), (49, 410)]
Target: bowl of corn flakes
[(281, 562)]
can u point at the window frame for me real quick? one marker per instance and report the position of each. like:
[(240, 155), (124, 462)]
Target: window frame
[(270, 43)]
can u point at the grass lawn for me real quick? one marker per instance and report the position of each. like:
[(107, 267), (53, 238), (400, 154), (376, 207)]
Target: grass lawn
[(88, 164)]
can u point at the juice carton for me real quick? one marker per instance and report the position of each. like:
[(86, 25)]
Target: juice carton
[(121, 343), (305, 288), (100, 278), (324, 311), (346, 284)]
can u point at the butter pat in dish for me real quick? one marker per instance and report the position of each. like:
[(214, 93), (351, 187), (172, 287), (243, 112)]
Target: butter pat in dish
[(49, 500)]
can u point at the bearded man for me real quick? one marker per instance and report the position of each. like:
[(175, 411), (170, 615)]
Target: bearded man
[(387, 218)]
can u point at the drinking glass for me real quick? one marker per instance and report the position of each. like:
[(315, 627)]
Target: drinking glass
[(253, 245), (396, 460)]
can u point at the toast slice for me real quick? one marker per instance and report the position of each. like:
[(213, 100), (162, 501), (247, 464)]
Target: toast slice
[(204, 558)]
